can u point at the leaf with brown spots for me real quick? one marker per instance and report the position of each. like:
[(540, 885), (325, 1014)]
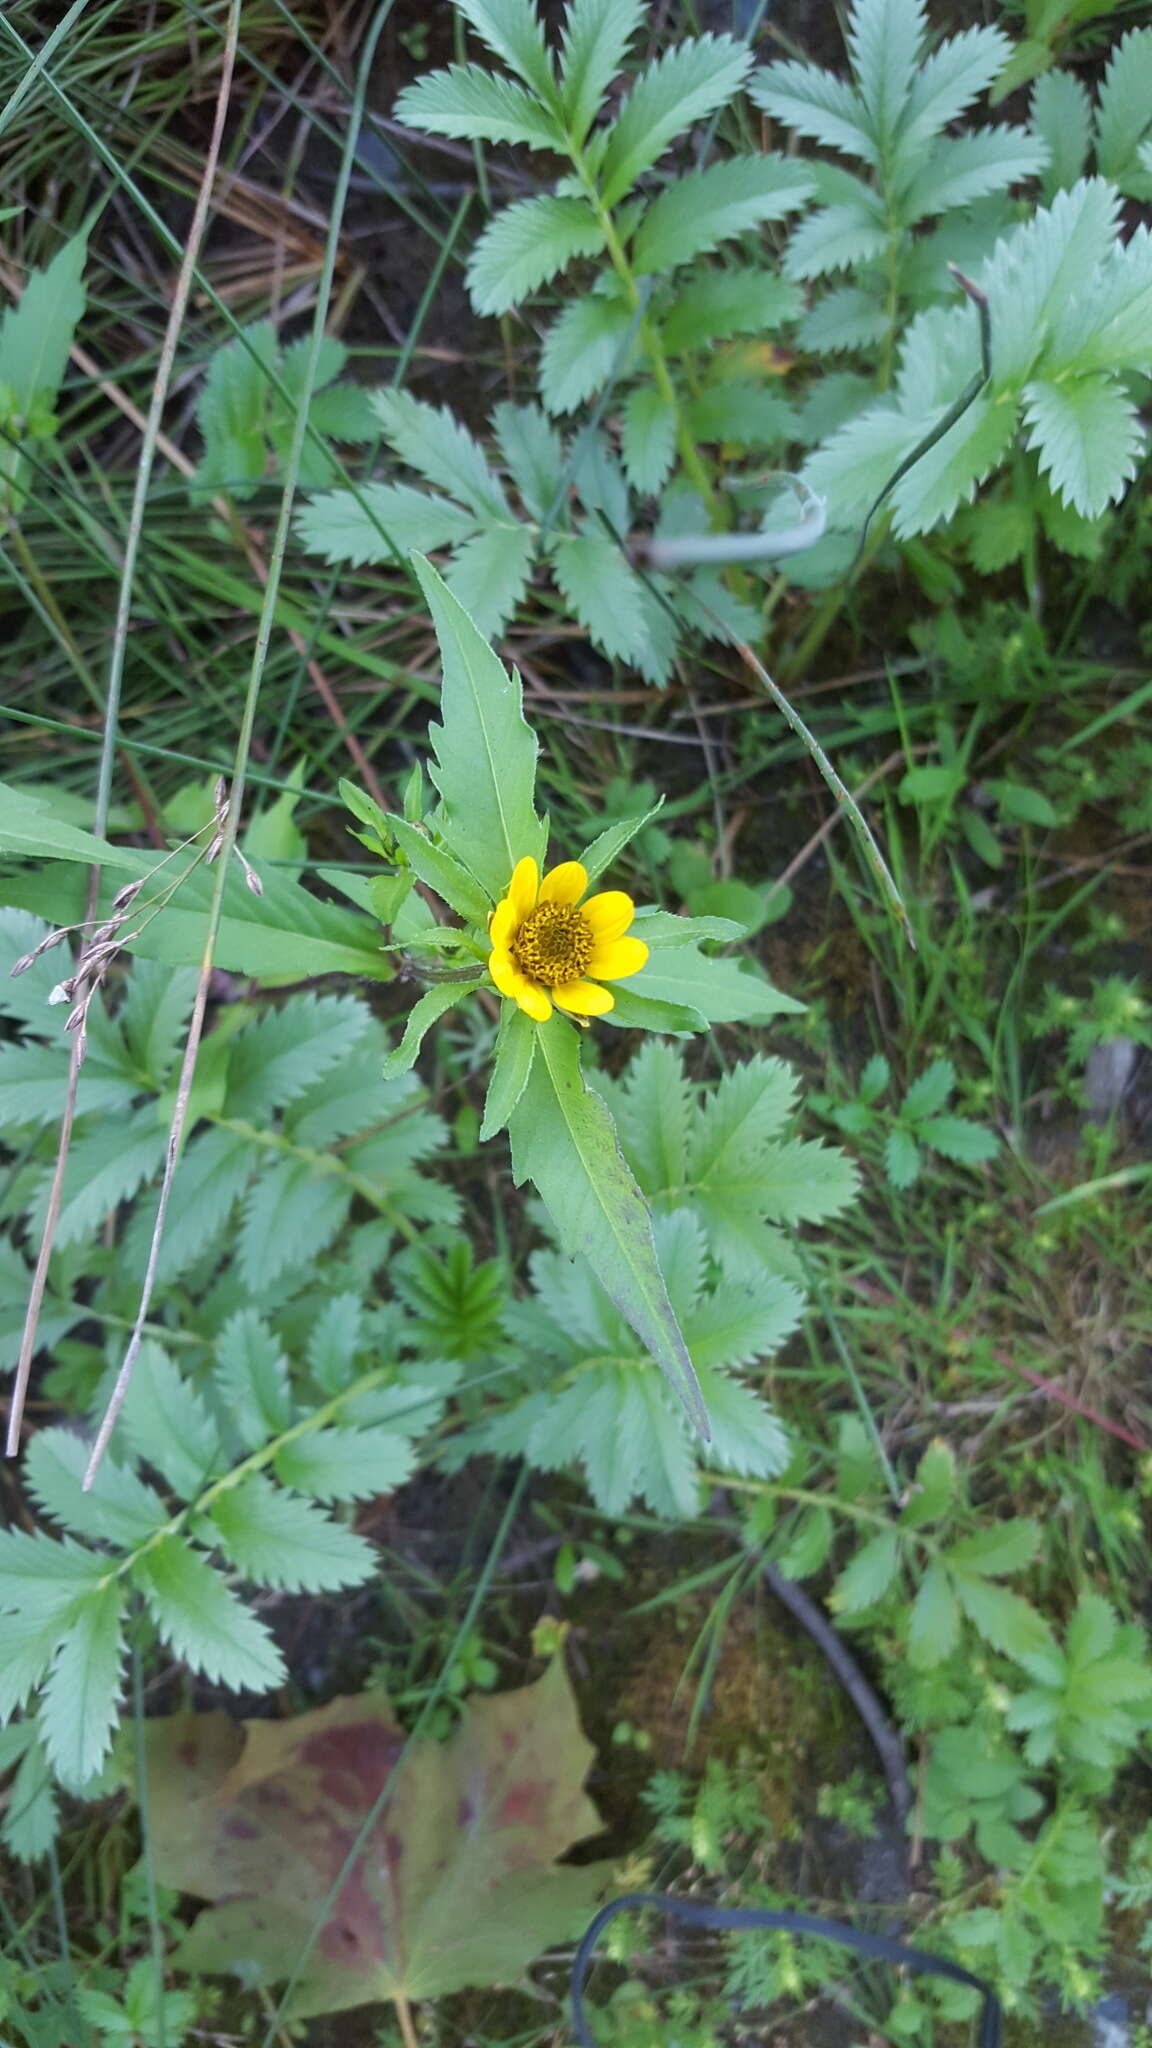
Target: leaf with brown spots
[(457, 1883)]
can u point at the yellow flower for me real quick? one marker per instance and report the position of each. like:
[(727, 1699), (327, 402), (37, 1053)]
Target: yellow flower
[(545, 942)]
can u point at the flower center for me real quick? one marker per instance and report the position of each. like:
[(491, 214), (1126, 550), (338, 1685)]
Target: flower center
[(554, 944)]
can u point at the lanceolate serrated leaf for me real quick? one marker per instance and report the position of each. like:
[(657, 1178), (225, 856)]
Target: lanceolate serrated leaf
[(479, 107), (42, 1577), (564, 1141), (489, 573), (596, 36), (118, 1508), (964, 168), (934, 1624), (884, 39), (815, 103), (648, 438), (380, 523), (601, 589), (434, 1003), (1124, 111), (528, 243), (276, 1539), (1088, 438), (31, 1820), (515, 1046), (1002, 1547), (706, 207), (866, 1580), (534, 453), (432, 440), (282, 1053), (251, 1378), (585, 342), (168, 1425), (684, 85), (609, 844), (203, 1622), (345, 1464), (80, 1699), (291, 1213), (511, 29), (718, 991), (485, 752), (28, 1644)]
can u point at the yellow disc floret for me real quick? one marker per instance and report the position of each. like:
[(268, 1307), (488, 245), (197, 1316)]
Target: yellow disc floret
[(549, 947)]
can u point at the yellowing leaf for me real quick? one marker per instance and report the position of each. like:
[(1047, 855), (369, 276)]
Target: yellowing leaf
[(457, 1882)]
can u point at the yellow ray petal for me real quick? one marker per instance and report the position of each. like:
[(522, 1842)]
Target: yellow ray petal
[(502, 922), (566, 884), (609, 914), (512, 982), (612, 959), (522, 888), (584, 999)]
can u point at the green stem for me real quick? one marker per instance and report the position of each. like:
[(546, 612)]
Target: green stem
[(690, 456)]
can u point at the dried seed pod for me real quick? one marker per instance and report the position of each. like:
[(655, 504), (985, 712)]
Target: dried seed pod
[(127, 895), (214, 849)]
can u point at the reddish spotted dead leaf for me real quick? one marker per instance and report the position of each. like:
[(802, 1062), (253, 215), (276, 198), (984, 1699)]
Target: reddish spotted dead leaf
[(457, 1882)]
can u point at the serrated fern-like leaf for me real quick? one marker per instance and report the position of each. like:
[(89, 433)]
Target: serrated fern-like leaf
[(580, 349), (718, 303), (250, 1377), (168, 1425), (684, 85), (963, 168), (601, 590), (380, 522), (346, 1464), (512, 31), (699, 211), (1124, 113), (292, 1211), (489, 574), (884, 40), (430, 439), (28, 1644), (80, 1699), (1087, 436), (276, 1539), (119, 1508), (1062, 118), (203, 1622), (534, 453), (817, 104), (596, 37), (950, 78), (528, 243), (284, 1052), (478, 106), (157, 1003)]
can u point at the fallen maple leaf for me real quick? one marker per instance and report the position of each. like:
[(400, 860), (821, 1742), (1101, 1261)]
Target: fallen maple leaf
[(456, 1883)]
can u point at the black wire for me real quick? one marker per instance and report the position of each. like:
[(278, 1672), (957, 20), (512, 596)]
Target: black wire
[(881, 1946)]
